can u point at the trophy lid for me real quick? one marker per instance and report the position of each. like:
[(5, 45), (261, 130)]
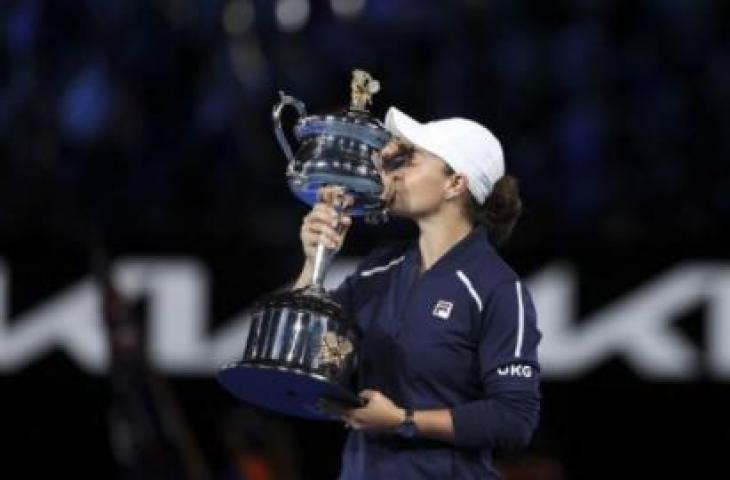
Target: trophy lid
[(354, 125)]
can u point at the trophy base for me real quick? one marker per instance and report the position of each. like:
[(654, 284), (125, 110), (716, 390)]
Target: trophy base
[(286, 391)]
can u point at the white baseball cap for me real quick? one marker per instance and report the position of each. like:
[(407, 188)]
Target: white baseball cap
[(466, 146)]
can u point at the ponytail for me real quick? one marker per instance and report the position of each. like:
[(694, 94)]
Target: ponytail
[(500, 211)]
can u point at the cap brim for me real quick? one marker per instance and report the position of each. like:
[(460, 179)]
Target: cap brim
[(405, 127), (400, 124)]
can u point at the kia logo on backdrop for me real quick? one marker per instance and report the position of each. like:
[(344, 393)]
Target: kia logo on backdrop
[(639, 327)]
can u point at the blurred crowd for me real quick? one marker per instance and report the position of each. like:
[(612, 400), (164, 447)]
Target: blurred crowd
[(147, 120)]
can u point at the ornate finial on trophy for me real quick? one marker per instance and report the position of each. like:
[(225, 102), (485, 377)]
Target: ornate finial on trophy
[(362, 88)]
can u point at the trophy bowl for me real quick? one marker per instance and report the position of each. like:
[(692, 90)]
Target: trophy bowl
[(301, 348), (340, 149)]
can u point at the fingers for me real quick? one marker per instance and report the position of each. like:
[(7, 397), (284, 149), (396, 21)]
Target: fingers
[(357, 418), (337, 409), (314, 236), (335, 196), (326, 214), (367, 395), (351, 420), (325, 224), (328, 193), (354, 424)]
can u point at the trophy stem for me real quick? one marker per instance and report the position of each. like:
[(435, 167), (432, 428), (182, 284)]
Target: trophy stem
[(322, 261)]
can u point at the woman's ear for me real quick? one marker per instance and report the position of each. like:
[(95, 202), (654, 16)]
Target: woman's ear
[(457, 185)]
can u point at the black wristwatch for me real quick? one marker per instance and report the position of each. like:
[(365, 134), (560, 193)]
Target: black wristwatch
[(407, 428)]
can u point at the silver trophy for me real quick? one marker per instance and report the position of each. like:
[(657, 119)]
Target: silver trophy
[(302, 345)]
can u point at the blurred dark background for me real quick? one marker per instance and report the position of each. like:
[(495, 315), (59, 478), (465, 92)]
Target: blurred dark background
[(134, 128)]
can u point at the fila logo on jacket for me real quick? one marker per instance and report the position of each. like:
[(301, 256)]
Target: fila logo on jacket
[(443, 309)]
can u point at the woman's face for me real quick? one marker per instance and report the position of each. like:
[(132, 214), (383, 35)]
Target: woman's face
[(415, 179)]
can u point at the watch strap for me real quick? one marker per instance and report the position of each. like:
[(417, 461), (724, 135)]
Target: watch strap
[(407, 428)]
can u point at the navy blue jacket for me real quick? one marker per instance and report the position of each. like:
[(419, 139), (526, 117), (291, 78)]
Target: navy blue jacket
[(461, 336)]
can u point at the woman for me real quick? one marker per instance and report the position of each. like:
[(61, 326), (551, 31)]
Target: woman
[(448, 359)]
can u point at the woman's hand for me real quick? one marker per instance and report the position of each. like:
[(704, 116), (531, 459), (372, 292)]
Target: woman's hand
[(324, 224), (379, 414)]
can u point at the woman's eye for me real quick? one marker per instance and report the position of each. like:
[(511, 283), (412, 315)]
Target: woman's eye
[(399, 159), (394, 162)]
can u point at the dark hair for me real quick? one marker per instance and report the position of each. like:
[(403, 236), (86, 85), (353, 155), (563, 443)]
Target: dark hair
[(500, 211)]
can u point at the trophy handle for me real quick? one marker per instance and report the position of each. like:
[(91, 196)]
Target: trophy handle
[(276, 117)]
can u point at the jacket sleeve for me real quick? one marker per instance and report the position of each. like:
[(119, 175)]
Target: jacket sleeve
[(507, 415)]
